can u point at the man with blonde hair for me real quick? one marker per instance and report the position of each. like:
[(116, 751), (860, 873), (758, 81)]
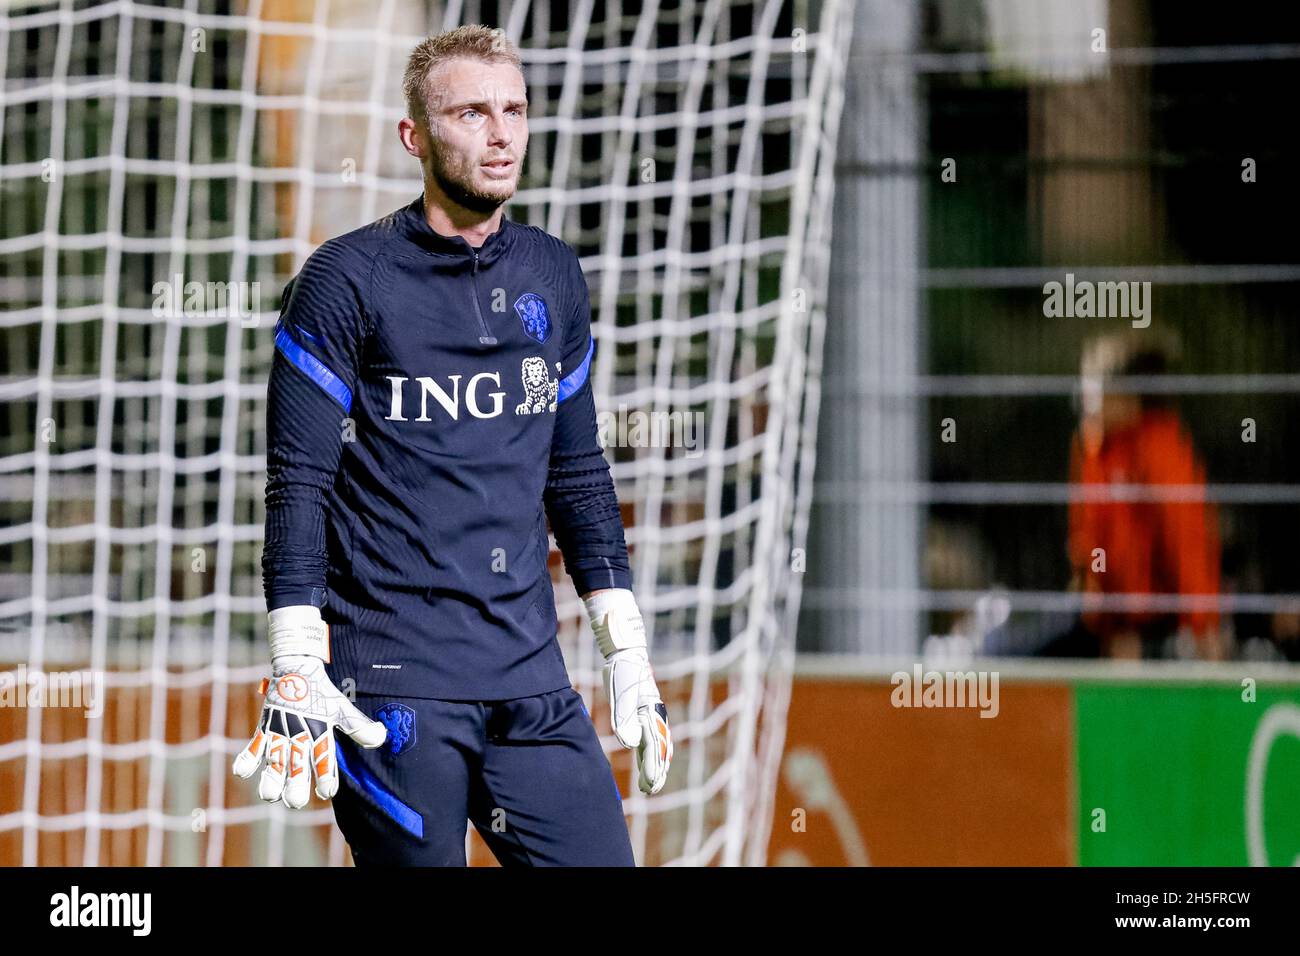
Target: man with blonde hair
[(429, 408)]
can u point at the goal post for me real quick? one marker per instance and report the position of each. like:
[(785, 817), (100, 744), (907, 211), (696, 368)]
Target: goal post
[(165, 169)]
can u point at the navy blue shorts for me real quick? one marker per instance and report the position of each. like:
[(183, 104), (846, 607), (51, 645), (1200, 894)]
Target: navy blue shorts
[(529, 773)]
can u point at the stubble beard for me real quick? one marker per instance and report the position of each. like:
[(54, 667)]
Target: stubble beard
[(457, 181)]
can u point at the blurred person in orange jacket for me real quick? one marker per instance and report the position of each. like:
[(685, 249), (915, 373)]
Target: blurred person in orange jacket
[(1152, 539)]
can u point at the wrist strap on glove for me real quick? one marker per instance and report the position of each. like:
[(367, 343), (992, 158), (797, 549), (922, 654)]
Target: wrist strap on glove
[(298, 631), (615, 620)]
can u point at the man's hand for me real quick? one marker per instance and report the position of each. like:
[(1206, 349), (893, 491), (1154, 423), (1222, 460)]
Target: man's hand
[(637, 712), (302, 707)]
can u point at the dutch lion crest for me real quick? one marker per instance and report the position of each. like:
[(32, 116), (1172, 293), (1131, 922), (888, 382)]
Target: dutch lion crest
[(532, 312), (400, 721), (539, 391)]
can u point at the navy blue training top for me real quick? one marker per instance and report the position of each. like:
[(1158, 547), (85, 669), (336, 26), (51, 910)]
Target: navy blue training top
[(429, 407)]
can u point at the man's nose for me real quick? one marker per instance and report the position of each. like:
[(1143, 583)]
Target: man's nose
[(498, 129)]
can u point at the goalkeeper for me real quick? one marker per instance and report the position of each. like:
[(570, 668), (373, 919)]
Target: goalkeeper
[(429, 407)]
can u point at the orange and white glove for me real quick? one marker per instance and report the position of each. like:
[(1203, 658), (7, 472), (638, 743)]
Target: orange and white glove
[(637, 712), (301, 709)]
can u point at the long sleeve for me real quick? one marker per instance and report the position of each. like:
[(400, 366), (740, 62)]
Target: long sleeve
[(318, 343), (580, 499), (1189, 542)]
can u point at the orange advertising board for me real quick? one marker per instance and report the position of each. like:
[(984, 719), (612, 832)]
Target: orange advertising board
[(865, 782)]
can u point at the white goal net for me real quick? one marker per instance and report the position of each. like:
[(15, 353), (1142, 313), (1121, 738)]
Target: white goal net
[(165, 168)]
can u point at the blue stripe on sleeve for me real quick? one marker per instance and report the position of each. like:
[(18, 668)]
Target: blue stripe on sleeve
[(313, 368), (405, 817), (573, 381)]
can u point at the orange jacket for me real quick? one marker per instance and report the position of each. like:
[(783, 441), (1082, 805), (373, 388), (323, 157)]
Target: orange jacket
[(1152, 547)]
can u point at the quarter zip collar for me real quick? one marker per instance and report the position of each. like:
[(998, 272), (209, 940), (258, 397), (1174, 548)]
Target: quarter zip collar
[(417, 229)]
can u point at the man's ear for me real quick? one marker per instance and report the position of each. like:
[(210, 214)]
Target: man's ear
[(414, 138)]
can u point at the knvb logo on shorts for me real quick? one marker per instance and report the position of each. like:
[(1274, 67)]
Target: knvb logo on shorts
[(400, 721), (532, 313)]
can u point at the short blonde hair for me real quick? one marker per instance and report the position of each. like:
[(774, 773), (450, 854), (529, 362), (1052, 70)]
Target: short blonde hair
[(472, 41)]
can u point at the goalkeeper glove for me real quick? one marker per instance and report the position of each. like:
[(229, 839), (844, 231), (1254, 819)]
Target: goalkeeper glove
[(637, 712), (301, 708)]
